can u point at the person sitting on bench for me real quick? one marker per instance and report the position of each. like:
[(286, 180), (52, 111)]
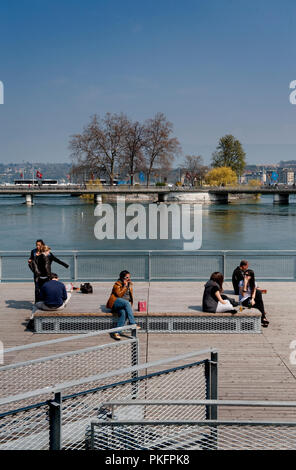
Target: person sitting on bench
[(250, 296), (53, 295), (213, 301), (121, 301)]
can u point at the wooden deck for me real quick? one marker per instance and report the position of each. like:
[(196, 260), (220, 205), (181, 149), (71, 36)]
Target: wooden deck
[(251, 366)]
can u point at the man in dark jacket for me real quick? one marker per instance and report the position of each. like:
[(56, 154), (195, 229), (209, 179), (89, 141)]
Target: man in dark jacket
[(53, 296), (238, 275), (32, 263)]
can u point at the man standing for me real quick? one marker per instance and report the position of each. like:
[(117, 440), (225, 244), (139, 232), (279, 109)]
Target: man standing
[(53, 296), (33, 265), (238, 275), (41, 265)]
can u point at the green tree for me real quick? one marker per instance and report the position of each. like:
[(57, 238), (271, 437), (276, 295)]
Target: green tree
[(229, 153), (221, 176)]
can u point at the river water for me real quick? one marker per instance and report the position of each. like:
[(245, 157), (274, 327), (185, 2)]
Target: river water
[(67, 223)]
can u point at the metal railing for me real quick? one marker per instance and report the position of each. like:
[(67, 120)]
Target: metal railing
[(64, 420), (269, 265), (160, 431), (25, 376)]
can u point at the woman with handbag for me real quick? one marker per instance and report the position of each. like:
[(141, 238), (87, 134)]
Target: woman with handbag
[(120, 302)]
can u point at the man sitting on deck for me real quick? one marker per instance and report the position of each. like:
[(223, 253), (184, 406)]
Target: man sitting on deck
[(238, 275), (53, 296)]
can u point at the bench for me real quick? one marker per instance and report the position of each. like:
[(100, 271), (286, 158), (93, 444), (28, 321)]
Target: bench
[(248, 321)]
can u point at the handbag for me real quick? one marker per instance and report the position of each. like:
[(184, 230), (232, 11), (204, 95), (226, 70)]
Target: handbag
[(86, 288), (142, 306)]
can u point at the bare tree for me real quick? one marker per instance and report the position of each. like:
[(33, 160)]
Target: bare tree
[(159, 147), (194, 169), (101, 145), (114, 142), (133, 144)]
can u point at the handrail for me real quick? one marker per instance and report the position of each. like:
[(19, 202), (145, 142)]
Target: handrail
[(259, 403), (69, 338), (65, 385)]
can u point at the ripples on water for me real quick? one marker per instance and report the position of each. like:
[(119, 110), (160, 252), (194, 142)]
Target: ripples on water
[(67, 223)]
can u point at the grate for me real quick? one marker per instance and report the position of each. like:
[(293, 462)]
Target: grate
[(79, 411), (192, 436), (171, 324)]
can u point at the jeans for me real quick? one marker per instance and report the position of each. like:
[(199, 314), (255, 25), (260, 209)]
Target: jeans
[(124, 311), (38, 284)]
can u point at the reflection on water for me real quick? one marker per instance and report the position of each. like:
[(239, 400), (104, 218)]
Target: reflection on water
[(68, 223)]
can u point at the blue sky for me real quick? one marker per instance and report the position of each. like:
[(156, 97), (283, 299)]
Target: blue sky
[(211, 66)]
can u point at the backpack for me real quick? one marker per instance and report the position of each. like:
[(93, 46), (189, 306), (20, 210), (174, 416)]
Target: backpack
[(86, 288)]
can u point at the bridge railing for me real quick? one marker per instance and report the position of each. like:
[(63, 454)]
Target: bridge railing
[(91, 265)]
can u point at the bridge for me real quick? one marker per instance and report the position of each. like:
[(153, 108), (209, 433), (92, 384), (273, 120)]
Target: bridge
[(164, 193)]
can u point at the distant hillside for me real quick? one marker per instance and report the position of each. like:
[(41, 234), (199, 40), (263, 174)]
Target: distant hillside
[(12, 171)]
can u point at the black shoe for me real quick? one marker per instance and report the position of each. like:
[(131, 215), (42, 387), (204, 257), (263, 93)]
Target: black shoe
[(30, 325)]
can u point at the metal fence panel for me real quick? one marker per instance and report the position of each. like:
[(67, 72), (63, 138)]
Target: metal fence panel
[(155, 265), (21, 377), (192, 436), (266, 265), (82, 400), (15, 267), (32, 375), (25, 430), (105, 266), (182, 266), (78, 411)]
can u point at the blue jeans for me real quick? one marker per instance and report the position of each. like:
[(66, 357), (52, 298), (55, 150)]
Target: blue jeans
[(124, 311)]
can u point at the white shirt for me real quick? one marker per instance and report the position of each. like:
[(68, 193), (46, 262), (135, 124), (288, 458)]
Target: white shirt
[(247, 294)]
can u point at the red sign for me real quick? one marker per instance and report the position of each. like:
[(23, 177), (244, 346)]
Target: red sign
[(38, 174)]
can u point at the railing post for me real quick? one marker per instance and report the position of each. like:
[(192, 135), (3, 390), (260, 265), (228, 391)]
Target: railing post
[(149, 266), (213, 395), (75, 266), (135, 362), (224, 265), (214, 384), (211, 373), (55, 422), (0, 268)]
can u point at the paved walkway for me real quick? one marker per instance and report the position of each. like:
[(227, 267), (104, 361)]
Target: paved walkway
[(251, 366)]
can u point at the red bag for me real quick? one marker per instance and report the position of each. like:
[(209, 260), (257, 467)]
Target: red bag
[(142, 307)]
